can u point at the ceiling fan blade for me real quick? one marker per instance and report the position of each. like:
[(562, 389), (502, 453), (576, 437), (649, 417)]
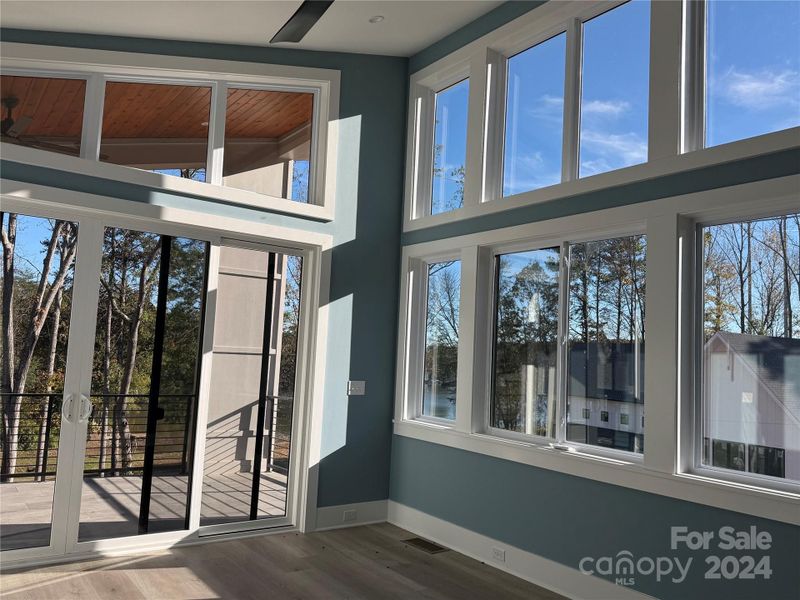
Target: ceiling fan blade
[(19, 126), (301, 21), (42, 145)]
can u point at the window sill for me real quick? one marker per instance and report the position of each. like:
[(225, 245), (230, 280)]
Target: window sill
[(707, 157), (164, 183), (766, 503)]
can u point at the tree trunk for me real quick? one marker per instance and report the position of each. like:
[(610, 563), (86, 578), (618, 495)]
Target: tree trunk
[(749, 277), (123, 427), (11, 404), (788, 316), (45, 297), (51, 367)]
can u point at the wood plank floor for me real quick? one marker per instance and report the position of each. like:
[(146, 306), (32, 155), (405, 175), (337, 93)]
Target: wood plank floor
[(369, 562)]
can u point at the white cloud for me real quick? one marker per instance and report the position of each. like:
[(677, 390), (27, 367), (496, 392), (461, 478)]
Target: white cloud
[(607, 151), (605, 107), (548, 107), (530, 172), (760, 90)]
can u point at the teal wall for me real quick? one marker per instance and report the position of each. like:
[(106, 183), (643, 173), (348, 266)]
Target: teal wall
[(366, 232), (566, 518), (562, 517)]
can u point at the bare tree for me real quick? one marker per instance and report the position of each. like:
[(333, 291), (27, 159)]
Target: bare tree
[(16, 365)]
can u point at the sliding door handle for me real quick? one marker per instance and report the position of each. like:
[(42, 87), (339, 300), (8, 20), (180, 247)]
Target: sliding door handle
[(66, 408), (86, 408)]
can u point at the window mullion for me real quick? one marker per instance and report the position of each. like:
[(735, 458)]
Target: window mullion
[(216, 133), (572, 101), (694, 75), (419, 297), (562, 364), (478, 73), (494, 125), (426, 99), (661, 324), (467, 325), (93, 117), (664, 112)]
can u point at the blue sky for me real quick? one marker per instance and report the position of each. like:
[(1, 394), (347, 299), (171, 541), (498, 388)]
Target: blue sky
[(534, 117), (753, 60)]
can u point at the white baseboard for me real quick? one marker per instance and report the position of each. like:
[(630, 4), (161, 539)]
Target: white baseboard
[(541, 571), (333, 517)]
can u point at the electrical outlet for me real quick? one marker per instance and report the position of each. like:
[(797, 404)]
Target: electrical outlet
[(356, 388), (499, 554), (349, 516)]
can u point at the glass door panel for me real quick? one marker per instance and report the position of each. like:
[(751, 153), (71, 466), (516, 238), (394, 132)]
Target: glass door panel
[(36, 293), (144, 385), (248, 435)]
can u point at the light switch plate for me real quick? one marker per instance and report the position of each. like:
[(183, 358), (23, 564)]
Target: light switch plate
[(356, 388)]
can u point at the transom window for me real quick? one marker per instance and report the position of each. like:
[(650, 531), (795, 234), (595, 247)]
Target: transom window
[(45, 113), (752, 69), (615, 89), (534, 117), (157, 127), (566, 94), (449, 148), (265, 134)]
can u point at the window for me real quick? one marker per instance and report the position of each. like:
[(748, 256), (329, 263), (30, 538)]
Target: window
[(43, 112), (753, 69), (766, 460), (449, 148), (441, 340), (268, 142), (728, 455), (534, 117), (524, 390), (157, 127), (615, 89), (605, 350), (586, 413), (751, 353), (623, 419)]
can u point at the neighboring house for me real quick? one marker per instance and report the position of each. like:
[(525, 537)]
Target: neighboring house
[(752, 390), (606, 394)]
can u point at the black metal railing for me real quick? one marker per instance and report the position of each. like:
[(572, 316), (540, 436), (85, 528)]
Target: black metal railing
[(38, 427), (116, 434), (117, 431), (115, 437)]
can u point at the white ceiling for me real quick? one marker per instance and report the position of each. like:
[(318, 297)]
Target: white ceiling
[(409, 25)]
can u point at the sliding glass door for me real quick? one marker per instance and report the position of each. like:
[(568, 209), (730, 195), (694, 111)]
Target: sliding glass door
[(144, 385), (38, 279), (250, 412), (137, 398)]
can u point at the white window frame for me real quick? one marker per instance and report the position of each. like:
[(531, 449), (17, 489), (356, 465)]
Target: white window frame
[(92, 213), (675, 112), (417, 283), (667, 466), (98, 67), (696, 309), (563, 242)]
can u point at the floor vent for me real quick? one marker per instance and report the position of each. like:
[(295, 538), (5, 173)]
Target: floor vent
[(425, 545)]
